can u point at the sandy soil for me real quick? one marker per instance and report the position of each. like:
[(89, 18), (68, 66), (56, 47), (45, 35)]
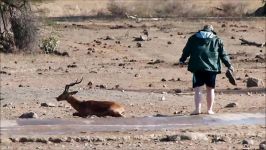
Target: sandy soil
[(124, 69)]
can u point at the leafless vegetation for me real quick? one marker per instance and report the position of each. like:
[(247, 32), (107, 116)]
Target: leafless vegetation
[(17, 29), (173, 8)]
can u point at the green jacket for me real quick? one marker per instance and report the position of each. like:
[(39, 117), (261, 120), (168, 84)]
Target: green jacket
[(206, 52)]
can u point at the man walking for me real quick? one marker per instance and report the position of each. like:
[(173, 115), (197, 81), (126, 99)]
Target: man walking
[(206, 52)]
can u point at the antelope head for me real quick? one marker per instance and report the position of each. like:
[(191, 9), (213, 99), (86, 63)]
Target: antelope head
[(65, 95)]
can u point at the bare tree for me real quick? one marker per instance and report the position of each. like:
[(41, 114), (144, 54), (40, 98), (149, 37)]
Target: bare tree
[(17, 27)]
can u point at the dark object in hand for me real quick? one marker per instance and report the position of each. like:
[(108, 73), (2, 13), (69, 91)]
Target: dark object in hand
[(229, 74)]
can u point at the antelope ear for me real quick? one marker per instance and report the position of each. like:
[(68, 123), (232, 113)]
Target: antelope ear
[(73, 93)]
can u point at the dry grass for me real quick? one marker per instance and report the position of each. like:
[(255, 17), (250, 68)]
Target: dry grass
[(149, 8)]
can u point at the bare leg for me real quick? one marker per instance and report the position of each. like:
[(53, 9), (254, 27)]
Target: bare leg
[(210, 99), (197, 98)]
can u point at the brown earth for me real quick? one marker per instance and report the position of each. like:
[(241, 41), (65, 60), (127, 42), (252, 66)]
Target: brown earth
[(27, 80)]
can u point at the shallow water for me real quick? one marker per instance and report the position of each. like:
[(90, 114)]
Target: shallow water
[(75, 126)]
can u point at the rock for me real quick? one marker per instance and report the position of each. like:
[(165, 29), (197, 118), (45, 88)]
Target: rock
[(103, 86), (90, 84), (26, 139), (84, 139), (28, 115), (178, 91), (72, 66), (163, 79), (47, 104), (254, 82), (55, 140), (171, 138), (163, 98), (108, 38), (14, 139), (136, 75), (194, 136), (248, 142), (139, 44), (69, 139), (140, 38), (262, 145), (219, 138), (169, 42), (157, 61), (230, 105), (41, 140)]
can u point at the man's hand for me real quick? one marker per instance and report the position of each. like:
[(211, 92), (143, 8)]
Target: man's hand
[(181, 64)]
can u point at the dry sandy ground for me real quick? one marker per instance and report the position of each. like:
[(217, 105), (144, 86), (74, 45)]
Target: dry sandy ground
[(123, 69)]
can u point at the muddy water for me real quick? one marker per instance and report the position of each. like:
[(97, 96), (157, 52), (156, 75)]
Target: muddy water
[(61, 127)]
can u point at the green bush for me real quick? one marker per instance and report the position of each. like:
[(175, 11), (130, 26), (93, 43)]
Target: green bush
[(49, 45)]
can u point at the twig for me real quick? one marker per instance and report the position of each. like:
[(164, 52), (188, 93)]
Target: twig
[(246, 42)]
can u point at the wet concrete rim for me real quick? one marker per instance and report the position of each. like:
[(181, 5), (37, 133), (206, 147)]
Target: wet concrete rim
[(60, 127)]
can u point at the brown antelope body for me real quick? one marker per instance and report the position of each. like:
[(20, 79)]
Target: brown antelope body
[(90, 107)]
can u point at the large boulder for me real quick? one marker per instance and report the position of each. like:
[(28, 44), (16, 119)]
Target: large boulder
[(28, 115), (254, 82)]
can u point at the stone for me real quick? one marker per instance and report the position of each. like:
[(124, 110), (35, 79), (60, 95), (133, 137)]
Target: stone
[(139, 44), (103, 86), (108, 38), (254, 82), (69, 139), (178, 91), (47, 104), (262, 145), (26, 139), (29, 115), (231, 105), (163, 98), (248, 142), (136, 75), (219, 138), (55, 140), (171, 138), (41, 140), (194, 136)]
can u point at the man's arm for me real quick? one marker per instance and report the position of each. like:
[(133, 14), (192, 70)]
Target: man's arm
[(186, 52), (223, 55)]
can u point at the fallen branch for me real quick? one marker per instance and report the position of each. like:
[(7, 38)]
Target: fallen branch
[(246, 42)]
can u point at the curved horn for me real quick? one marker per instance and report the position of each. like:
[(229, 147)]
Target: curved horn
[(72, 84)]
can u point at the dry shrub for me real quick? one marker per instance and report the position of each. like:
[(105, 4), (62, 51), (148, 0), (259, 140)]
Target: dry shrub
[(170, 8), (116, 9), (175, 8), (234, 9)]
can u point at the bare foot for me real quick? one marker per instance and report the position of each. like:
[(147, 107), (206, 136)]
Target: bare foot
[(210, 112), (195, 112)]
